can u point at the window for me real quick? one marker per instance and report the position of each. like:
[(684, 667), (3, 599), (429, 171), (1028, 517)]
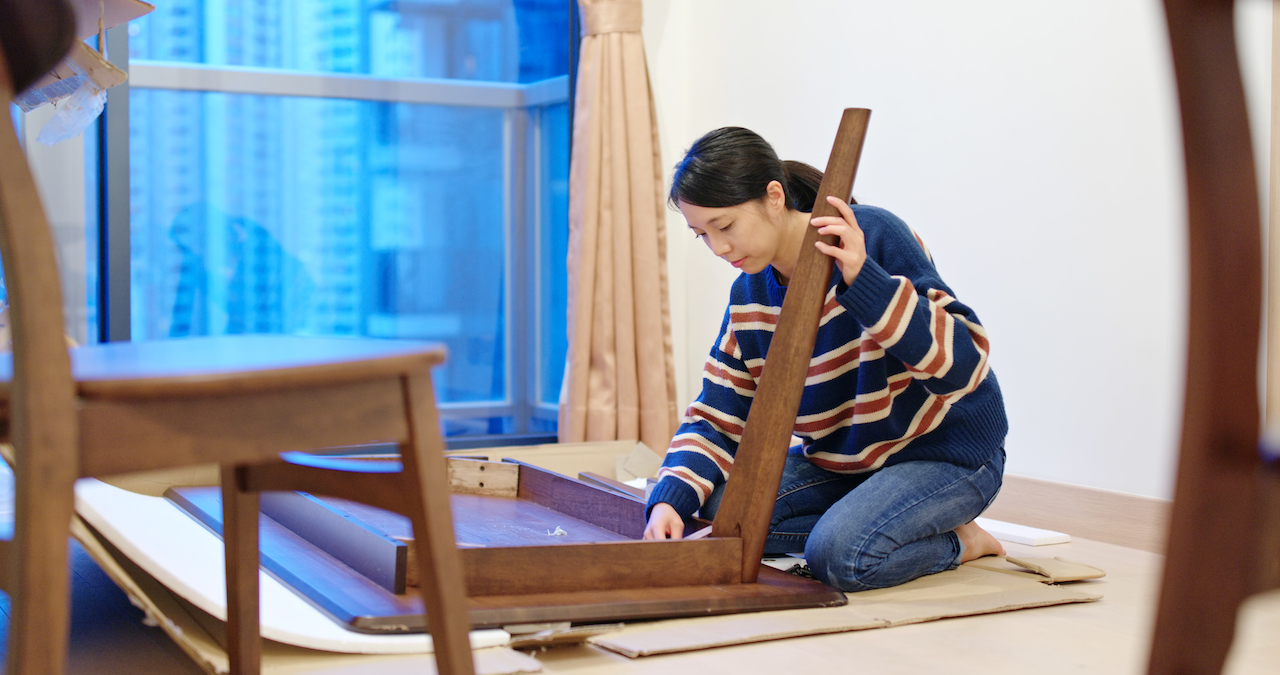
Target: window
[(351, 167)]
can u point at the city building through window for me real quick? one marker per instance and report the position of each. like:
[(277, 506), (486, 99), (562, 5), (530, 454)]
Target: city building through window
[(394, 169)]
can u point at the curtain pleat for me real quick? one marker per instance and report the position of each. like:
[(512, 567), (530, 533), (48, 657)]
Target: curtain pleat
[(619, 375)]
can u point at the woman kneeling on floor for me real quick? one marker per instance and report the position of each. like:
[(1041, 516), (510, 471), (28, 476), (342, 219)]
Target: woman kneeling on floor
[(901, 422)]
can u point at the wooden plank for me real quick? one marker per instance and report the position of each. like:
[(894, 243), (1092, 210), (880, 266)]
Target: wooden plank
[(212, 366), (752, 490), (596, 505), (366, 607), (601, 566), (380, 558), (335, 589), (372, 483), (773, 590), (473, 476), (170, 432), (611, 484)]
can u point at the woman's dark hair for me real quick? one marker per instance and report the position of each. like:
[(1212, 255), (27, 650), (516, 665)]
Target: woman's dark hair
[(732, 165)]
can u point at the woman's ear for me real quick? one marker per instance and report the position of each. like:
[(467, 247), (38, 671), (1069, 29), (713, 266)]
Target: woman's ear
[(775, 196)]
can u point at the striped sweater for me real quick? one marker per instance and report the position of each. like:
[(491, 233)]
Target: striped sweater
[(899, 372)]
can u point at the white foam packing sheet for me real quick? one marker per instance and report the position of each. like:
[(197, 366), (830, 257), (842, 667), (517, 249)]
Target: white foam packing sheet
[(1021, 534), (180, 553)]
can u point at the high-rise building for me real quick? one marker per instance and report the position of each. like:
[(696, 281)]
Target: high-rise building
[(268, 214)]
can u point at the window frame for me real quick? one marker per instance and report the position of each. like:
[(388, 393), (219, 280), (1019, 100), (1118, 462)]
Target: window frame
[(523, 105)]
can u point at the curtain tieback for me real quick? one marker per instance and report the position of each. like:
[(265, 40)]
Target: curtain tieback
[(611, 16)]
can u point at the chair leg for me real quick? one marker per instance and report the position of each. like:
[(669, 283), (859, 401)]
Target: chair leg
[(1207, 570), (240, 537), (440, 574), (1267, 550), (40, 615)]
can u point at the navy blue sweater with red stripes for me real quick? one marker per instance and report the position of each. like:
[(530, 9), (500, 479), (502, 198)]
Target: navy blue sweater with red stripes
[(899, 372)]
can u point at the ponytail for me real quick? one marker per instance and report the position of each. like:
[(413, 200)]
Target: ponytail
[(802, 184)]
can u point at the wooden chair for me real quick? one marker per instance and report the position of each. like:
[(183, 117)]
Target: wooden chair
[(124, 407), (1224, 539)]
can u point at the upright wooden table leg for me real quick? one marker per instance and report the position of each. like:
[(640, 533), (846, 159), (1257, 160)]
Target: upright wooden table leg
[(752, 490)]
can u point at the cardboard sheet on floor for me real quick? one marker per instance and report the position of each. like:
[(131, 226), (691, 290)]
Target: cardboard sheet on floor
[(964, 591), (198, 633), (1048, 570)]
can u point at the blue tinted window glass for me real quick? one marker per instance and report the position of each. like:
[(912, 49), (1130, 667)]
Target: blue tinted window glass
[(271, 214), (488, 40), (255, 214)]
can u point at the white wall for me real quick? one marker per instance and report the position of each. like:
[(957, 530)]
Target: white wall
[(1034, 146)]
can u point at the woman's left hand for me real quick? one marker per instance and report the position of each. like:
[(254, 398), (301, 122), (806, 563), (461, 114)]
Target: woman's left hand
[(852, 249)]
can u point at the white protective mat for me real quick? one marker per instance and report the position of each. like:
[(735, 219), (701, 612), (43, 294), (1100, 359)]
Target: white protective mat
[(188, 559)]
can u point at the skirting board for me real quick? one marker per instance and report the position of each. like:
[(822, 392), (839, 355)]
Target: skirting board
[(1102, 515)]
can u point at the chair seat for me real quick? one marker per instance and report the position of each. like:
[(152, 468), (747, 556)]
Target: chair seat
[(218, 365)]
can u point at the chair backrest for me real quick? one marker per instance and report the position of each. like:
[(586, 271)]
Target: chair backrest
[(1209, 558), (42, 414), (35, 37), (42, 393)]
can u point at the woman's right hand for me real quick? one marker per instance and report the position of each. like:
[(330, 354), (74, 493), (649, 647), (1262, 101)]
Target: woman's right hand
[(664, 523)]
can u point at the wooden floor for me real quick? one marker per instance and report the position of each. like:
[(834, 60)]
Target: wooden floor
[(1109, 636)]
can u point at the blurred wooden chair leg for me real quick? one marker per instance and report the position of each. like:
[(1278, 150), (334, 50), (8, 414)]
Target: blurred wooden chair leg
[(40, 614), (440, 574), (1219, 510), (240, 539)]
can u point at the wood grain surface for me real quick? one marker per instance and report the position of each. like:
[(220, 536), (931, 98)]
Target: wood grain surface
[(230, 364), (757, 468), (1209, 567), (594, 504), (42, 399)]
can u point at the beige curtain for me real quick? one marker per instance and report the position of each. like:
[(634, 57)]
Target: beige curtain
[(619, 377)]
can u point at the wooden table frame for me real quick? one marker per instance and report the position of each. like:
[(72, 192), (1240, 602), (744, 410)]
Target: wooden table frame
[(617, 580), (721, 572)]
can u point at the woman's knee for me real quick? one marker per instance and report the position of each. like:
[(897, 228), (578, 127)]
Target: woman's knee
[(847, 563), (859, 561)]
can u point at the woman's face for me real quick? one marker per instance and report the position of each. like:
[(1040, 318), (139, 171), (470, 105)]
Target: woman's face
[(747, 236)]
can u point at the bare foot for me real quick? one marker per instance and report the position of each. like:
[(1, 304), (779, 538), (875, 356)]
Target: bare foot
[(977, 542)]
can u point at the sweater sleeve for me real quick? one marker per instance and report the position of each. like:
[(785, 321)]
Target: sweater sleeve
[(702, 450), (903, 305)]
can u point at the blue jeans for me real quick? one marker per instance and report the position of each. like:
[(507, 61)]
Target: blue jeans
[(880, 529)]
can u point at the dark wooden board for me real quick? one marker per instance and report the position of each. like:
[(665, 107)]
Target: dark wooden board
[(600, 581), (773, 590), (335, 589), (380, 558), (601, 566), (489, 522), (752, 489), (606, 508), (611, 484)]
